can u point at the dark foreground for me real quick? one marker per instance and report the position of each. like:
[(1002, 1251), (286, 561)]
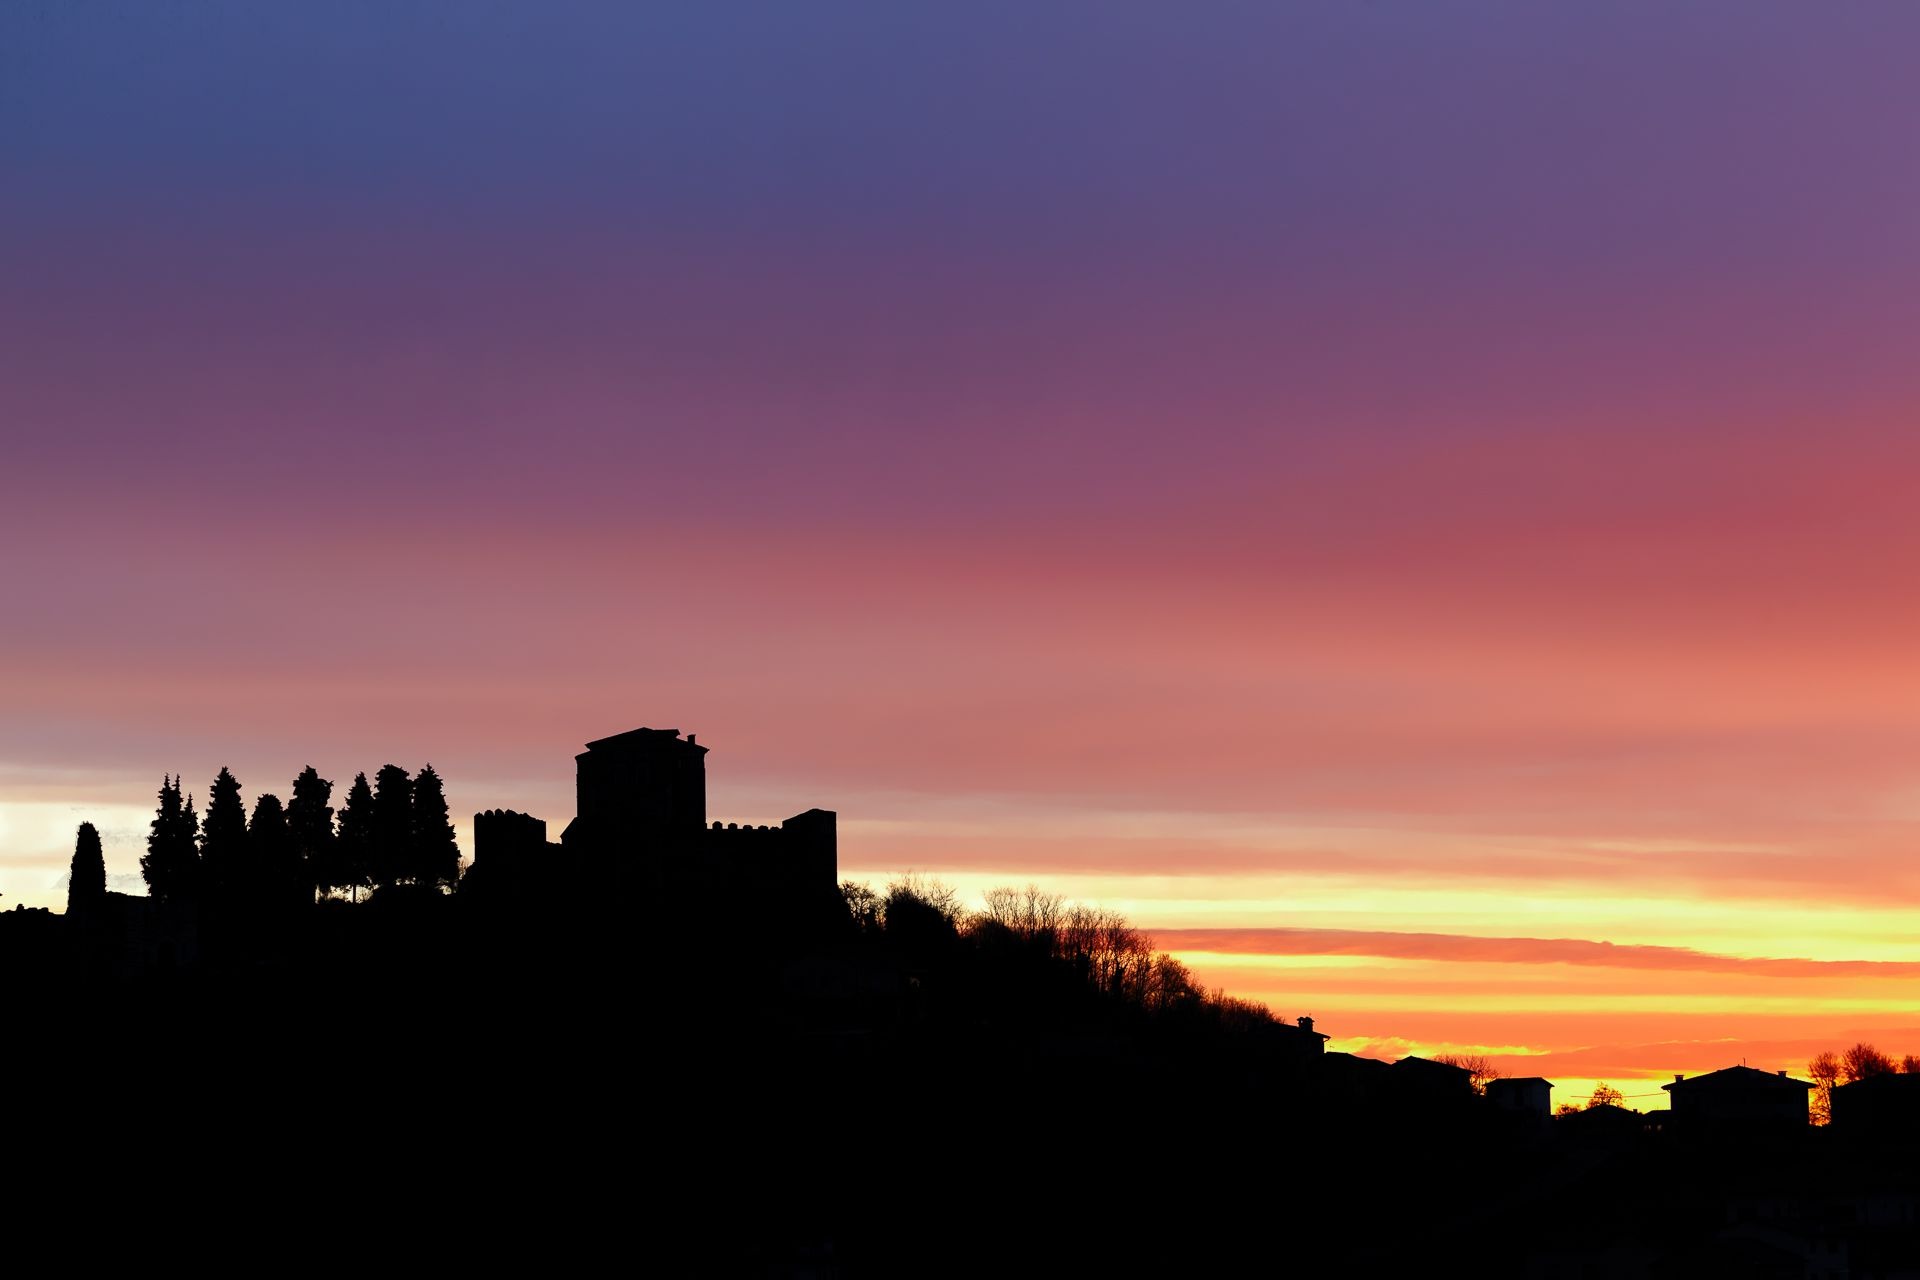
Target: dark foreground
[(418, 1085)]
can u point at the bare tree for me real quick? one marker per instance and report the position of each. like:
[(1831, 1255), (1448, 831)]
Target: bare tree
[(1171, 986), (863, 905), (926, 892), (1236, 1014), (1480, 1070), (1824, 1070), (1863, 1061), (1028, 912)]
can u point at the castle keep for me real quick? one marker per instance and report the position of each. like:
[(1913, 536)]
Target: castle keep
[(640, 827)]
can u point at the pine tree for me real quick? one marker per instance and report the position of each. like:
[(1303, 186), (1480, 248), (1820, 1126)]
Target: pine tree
[(190, 843), (435, 856), (310, 821), (223, 840), (353, 846), (87, 878), (392, 826), (153, 863), (171, 863)]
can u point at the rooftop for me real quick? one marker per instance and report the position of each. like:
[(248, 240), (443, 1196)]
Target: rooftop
[(639, 737), (1739, 1077)]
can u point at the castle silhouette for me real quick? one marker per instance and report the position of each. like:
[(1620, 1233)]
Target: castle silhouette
[(783, 1024), (640, 828)]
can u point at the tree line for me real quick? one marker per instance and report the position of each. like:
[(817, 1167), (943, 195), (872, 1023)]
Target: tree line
[(1603, 1095), (1030, 946), (393, 831)]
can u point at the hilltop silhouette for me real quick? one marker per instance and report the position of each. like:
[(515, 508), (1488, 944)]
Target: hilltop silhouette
[(690, 1038)]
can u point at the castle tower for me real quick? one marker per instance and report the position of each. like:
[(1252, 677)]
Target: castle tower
[(641, 834), (646, 788)]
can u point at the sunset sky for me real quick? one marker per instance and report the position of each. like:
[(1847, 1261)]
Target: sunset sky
[(1417, 505)]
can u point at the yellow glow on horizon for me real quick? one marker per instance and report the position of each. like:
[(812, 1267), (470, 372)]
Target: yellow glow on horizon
[(1783, 928), (1387, 1001), (38, 835)]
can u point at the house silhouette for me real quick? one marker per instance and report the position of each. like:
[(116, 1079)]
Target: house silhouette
[(1529, 1097), (1739, 1097), (1880, 1106)]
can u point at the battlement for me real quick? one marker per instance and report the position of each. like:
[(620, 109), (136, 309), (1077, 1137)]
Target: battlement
[(505, 820), (504, 835), (800, 852)]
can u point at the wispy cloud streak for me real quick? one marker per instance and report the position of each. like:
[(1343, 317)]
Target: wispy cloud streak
[(1519, 951)]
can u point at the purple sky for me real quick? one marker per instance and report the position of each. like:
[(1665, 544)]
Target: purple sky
[(1397, 470)]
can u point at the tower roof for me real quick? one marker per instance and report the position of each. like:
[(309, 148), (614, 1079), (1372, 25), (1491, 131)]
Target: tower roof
[(641, 737)]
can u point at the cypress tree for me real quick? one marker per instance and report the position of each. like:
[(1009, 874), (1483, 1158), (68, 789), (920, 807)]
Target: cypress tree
[(392, 825), (87, 877), (310, 822), (223, 840), (436, 857), (171, 863), (273, 870), (353, 846)]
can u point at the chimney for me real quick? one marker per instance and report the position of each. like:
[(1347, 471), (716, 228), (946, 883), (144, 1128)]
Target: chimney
[(1678, 1076), (1306, 1024), (692, 741), (1781, 1074)]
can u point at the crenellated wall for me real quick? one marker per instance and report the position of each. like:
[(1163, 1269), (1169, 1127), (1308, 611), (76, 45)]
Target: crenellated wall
[(505, 832), (798, 854), (641, 835)]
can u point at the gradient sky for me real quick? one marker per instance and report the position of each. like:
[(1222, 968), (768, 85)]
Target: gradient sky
[(1416, 504)]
